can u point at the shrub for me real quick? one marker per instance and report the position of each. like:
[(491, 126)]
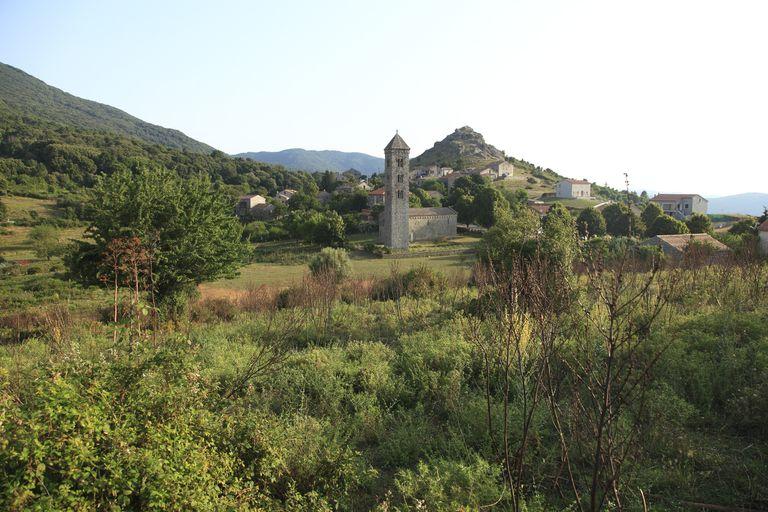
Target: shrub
[(330, 262)]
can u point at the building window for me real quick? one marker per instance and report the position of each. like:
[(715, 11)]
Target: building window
[(399, 162), (399, 178), (399, 194)]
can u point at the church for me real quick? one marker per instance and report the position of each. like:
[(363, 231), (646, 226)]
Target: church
[(398, 224)]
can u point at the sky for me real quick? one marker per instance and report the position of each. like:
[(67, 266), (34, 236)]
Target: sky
[(673, 92)]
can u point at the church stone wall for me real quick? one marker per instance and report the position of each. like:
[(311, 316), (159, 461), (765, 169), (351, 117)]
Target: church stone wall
[(432, 227)]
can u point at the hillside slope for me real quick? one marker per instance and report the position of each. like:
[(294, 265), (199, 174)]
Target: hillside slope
[(461, 149), (310, 160), (25, 95)]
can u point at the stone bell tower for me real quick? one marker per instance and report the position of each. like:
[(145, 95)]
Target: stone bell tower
[(394, 220)]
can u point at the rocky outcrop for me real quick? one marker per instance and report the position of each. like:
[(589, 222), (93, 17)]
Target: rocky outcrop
[(462, 149)]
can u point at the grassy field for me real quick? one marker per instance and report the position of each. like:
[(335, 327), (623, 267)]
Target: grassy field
[(14, 245), (271, 274), (20, 207)]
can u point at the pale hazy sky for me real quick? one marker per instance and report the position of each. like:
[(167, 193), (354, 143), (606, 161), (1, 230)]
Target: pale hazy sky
[(674, 92)]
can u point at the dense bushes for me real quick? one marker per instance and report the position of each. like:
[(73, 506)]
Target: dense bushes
[(383, 407)]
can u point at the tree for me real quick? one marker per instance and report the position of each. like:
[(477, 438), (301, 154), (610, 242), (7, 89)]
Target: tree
[(303, 201), (742, 227), (558, 236), (328, 228), (486, 204), (650, 213), (699, 223), (414, 201), (44, 240), (3, 212), (330, 262), (187, 226), (465, 209), (590, 223), (514, 229), (667, 225), (621, 221)]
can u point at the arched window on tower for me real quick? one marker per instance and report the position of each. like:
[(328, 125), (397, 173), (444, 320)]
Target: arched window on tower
[(399, 194), (399, 178), (399, 162)]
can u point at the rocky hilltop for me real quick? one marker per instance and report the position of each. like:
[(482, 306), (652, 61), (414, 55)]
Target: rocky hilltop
[(462, 149)]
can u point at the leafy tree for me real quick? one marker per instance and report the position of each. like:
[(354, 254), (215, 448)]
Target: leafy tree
[(650, 213), (514, 229), (621, 221), (188, 226), (330, 262), (590, 223), (742, 227), (559, 235), (45, 242), (433, 184), (699, 223), (486, 204), (303, 201), (414, 201), (424, 198), (667, 225), (328, 228), (465, 209)]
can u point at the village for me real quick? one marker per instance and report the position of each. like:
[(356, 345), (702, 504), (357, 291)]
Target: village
[(389, 203)]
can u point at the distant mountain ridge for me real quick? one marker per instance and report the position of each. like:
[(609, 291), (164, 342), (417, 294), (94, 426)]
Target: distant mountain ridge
[(318, 160), (750, 203), (23, 94), (461, 149)]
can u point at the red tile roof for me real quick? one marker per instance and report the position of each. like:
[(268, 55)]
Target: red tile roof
[(672, 197), (378, 192)]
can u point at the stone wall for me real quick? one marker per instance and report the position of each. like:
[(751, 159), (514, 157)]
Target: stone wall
[(394, 229), (432, 227)]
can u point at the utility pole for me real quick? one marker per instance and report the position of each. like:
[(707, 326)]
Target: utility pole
[(629, 204)]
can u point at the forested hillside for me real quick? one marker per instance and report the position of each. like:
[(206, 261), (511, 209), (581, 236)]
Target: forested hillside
[(45, 159), (26, 95)]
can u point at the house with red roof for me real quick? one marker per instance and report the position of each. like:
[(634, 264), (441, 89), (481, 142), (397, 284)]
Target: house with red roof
[(681, 206)]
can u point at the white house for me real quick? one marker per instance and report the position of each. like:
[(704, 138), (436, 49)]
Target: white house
[(763, 230), (573, 189), (286, 195), (681, 206)]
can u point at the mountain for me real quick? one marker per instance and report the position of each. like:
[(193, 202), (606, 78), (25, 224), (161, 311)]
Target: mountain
[(25, 95), (751, 203), (309, 160), (464, 148)]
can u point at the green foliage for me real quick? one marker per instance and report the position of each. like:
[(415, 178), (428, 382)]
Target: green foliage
[(666, 225), (742, 227), (3, 212), (558, 237), (512, 234), (621, 221), (650, 213), (699, 223), (303, 201), (487, 204), (590, 223), (189, 227), (331, 262), (45, 242)]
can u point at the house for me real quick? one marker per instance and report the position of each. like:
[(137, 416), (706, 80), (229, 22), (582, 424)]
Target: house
[(681, 206), (363, 185), (345, 188), (286, 195), (497, 170), (762, 231), (376, 197), (573, 189), (449, 179), (675, 246), (246, 203), (541, 208)]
